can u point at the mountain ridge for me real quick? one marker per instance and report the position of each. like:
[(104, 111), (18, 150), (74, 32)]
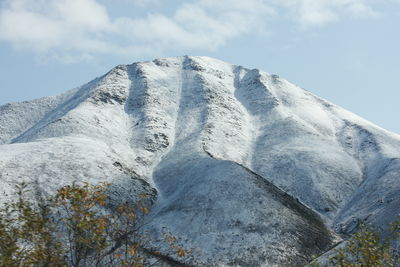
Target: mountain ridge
[(137, 120)]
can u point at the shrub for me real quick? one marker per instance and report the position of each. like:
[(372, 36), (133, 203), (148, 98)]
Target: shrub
[(76, 228), (367, 247)]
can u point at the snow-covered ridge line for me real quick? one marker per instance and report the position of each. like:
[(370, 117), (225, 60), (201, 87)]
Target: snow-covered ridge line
[(13, 119), (148, 119)]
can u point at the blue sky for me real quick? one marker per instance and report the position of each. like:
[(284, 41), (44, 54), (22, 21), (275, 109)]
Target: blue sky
[(346, 51)]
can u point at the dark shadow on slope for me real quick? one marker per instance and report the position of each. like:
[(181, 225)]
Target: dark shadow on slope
[(235, 216)]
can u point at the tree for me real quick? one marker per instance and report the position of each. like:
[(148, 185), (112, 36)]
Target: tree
[(367, 247), (26, 233), (76, 228)]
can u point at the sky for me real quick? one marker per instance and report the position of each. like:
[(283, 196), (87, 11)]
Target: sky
[(346, 51)]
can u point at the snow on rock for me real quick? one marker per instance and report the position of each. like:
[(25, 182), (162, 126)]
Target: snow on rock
[(234, 216), (14, 118), (249, 168)]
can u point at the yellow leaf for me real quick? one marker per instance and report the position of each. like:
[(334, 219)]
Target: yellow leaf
[(132, 251), (145, 210), (181, 252)]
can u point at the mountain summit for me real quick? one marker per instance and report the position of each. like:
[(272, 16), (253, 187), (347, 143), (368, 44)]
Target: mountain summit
[(245, 166)]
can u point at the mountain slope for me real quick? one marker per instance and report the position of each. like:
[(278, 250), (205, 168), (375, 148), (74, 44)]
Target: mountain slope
[(221, 206), (15, 118), (199, 130)]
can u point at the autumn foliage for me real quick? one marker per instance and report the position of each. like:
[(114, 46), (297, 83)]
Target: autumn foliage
[(78, 226), (366, 247)]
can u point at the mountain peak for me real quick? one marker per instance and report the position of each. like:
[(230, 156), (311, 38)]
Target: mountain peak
[(242, 161)]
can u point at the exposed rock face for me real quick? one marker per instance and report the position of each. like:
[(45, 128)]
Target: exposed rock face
[(245, 166)]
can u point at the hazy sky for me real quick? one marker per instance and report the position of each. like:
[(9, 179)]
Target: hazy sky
[(346, 51)]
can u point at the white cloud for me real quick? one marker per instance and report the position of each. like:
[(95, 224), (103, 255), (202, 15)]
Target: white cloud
[(311, 13), (47, 25), (144, 3), (76, 29)]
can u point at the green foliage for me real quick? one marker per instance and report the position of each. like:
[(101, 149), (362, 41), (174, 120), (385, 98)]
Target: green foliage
[(367, 248), (75, 228)]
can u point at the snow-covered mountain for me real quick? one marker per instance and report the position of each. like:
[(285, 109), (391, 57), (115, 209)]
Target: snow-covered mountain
[(248, 168)]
